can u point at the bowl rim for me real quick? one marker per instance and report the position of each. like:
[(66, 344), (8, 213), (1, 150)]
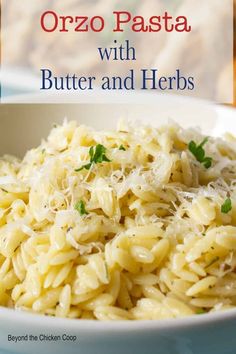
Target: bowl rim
[(98, 97), (31, 319)]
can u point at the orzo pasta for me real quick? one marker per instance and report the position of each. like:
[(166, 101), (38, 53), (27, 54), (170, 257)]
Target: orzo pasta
[(137, 223)]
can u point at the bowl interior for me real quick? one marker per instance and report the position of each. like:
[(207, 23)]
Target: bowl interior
[(23, 126)]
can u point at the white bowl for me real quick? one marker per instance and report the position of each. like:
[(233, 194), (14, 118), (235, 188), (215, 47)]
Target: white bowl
[(22, 127)]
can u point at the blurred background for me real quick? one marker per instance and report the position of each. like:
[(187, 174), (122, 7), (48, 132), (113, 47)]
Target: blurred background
[(234, 57), (26, 48), (235, 53)]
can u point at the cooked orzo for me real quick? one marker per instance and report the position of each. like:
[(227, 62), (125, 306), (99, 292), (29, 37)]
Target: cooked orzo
[(137, 223)]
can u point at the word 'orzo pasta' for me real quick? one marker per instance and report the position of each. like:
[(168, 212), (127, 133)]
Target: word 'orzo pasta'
[(138, 223)]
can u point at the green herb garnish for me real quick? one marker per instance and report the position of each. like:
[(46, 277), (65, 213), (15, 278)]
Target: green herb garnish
[(97, 155), (226, 206), (200, 312), (86, 167), (121, 147), (4, 190), (80, 207), (199, 153), (107, 271)]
